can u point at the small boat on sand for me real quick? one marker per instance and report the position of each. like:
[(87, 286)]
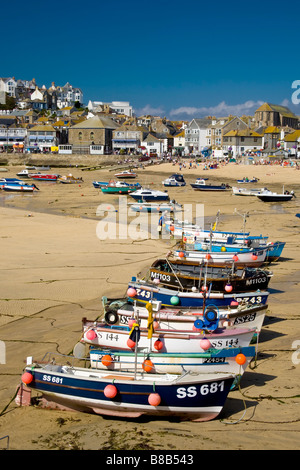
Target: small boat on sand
[(174, 180), (196, 397), (148, 195), (70, 179), (201, 185), (269, 196), (120, 187), (126, 174)]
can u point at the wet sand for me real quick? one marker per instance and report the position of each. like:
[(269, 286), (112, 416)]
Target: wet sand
[(54, 272)]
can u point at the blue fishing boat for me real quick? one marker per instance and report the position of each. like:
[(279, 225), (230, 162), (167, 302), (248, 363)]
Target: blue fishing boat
[(145, 291), (198, 397), (18, 187), (201, 185)]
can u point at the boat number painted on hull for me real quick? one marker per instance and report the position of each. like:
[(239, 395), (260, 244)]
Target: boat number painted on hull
[(245, 319), (205, 389), (257, 280), (143, 293), (52, 378), (253, 300), (162, 277)]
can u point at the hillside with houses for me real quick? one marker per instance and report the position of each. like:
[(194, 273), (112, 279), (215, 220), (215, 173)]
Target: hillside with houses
[(37, 119)]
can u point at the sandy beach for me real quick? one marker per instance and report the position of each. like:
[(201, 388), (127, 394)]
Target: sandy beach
[(55, 270)]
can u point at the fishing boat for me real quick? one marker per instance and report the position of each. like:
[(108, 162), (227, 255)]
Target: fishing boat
[(273, 249), (119, 187), (149, 195), (45, 177), (69, 179), (250, 258), (247, 191), (155, 207), (117, 337), (144, 291), (190, 275), (201, 185), (123, 312), (174, 180), (198, 397), (126, 174), (100, 184), (19, 187), (220, 360), (26, 173), (269, 196), (247, 180)]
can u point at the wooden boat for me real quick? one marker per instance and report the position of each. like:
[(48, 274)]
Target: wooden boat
[(144, 291), (155, 207), (198, 397), (148, 195), (45, 177), (219, 360), (119, 187), (126, 174), (269, 196), (246, 191), (70, 179), (190, 275), (201, 185), (250, 258), (174, 181), (117, 337), (122, 312)]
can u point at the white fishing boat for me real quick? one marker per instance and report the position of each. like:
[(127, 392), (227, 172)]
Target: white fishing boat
[(119, 337), (269, 196), (149, 195), (247, 191)]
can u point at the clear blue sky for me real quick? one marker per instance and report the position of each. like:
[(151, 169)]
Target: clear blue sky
[(174, 58)]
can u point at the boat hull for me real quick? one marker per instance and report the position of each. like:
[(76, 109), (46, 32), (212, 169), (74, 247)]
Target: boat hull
[(116, 337), (167, 363), (199, 398), (224, 258)]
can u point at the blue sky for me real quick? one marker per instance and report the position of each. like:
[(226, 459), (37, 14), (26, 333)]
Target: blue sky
[(177, 59)]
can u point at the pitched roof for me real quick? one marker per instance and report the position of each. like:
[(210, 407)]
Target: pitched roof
[(283, 110), (242, 133), (272, 130), (293, 136), (97, 122), (42, 127)]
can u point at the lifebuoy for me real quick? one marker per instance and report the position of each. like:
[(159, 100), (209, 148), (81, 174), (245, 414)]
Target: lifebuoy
[(111, 317)]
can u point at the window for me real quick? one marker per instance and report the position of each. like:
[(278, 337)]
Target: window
[(80, 136), (92, 136)]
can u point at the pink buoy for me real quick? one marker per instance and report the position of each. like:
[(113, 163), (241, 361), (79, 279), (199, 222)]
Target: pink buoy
[(130, 343), (154, 399), (27, 378), (90, 335), (234, 303), (110, 391), (228, 287), (131, 292), (131, 321), (155, 325), (205, 344)]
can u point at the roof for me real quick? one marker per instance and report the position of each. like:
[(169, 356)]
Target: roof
[(283, 110), (42, 127), (242, 133), (96, 122), (272, 130), (293, 136)]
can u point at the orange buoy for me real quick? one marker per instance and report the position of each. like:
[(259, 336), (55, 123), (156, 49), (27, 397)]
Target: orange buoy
[(181, 254), (158, 344), (27, 378), (154, 399), (106, 360), (240, 359), (148, 365)]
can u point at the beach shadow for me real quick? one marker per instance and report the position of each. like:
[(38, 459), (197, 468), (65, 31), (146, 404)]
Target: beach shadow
[(269, 320), (275, 291), (237, 405), (267, 335)]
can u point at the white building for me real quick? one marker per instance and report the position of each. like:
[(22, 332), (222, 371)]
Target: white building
[(119, 107), (8, 85), (196, 136)]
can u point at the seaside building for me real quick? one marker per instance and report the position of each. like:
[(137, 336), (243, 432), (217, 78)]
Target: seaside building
[(275, 115), (196, 136), (128, 138), (117, 107), (92, 135), (238, 142)]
